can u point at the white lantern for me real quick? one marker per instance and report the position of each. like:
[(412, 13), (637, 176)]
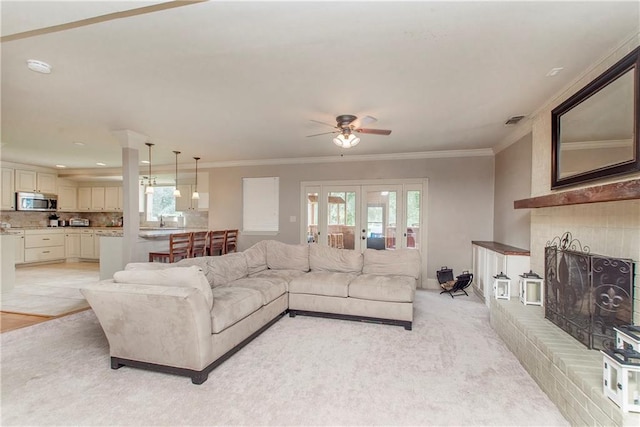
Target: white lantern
[(531, 289), (628, 337), (621, 378), (502, 286)]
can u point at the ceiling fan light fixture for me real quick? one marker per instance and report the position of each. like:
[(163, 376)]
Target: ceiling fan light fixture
[(346, 141)]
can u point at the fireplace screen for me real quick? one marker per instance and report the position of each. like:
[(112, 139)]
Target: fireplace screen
[(586, 294)]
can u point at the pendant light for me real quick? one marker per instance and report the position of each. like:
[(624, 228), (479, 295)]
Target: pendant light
[(195, 194), (149, 189), (176, 192)]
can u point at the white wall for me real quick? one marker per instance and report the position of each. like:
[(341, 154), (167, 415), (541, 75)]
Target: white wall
[(513, 182), (459, 205)]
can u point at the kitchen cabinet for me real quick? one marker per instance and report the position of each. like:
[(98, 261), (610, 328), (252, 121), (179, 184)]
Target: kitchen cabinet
[(43, 245), (19, 246), (8, 190), (87, 245), (67, 199), (84, 198), (72, 244), (491, 259), (32, 181), (113, 199), (186, 203), (97, 199)]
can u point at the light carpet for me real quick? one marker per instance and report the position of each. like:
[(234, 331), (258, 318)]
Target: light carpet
[(452, 369)]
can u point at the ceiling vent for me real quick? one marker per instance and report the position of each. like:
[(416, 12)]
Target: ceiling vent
[(513, 120)]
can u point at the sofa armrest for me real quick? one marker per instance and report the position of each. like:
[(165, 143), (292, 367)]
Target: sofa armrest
[(164, 325)]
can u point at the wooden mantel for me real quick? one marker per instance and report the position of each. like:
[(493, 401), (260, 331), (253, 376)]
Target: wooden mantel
[(626, 190)]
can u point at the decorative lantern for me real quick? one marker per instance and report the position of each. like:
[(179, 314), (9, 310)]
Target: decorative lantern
[(628, 337), (531, 289), (502, 286), (621, 378)]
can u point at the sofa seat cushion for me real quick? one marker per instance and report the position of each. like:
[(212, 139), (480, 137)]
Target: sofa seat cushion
[(286, 275), (383, 288), (324, 258), (232, 304), (325, 283), (269, 287)]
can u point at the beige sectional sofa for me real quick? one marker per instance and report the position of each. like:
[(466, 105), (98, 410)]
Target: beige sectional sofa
[(187, 318)]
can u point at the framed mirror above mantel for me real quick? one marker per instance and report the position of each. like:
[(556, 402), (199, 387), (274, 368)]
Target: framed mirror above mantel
[(595, 133)]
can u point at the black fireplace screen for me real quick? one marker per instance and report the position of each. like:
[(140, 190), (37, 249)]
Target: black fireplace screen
[(586, 294)]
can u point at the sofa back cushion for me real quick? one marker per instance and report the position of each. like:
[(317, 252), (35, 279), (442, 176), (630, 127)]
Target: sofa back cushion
[(282, 256), (187, 277), (202, 262), (256, 257), (403, 262), (227, 268), (324, 258)]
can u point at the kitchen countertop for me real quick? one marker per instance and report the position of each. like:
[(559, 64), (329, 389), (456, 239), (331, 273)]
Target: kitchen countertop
[(145, 232)]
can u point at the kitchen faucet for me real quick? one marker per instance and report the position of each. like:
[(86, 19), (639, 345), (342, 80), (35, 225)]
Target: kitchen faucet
[(161, 223)]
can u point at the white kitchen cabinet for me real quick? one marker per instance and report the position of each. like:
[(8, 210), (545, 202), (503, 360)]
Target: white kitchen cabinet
[(84, 198), (113, 199), (43, 245), (491, 259), (87, 245), (19, 246), (72, 244), (97, 199), (186, 203), (8, 190), (32, 181), (67, 199)]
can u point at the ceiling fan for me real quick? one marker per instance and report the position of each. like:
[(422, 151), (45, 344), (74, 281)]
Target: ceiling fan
[(346, 124)]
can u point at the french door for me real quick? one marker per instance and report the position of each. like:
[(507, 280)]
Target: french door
[(375, 215)]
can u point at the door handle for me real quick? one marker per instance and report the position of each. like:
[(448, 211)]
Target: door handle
[(364, 230), (364, 238)]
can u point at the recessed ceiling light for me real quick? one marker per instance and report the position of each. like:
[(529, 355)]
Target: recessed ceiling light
[(101, 164), (145, 162), (79, 144), (38, 66), (60, 166), (552, 72)]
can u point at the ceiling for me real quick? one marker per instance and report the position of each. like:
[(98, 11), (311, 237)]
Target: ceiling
[(235, 82)]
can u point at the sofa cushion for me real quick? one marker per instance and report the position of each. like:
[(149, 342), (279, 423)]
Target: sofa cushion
[(227, 268), (270, 288), (383, 288), (286, 275), (404, 262), (282, 256), (325, 283), (188, 277), (324, 258), (256, 257), (232, 304), (202, 262)]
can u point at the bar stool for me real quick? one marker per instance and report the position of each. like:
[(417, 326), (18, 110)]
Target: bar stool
[(198, 244), (179, 247), (231, 241), (216, 242)]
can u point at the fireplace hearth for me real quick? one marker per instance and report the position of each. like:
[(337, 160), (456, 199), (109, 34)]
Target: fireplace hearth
[(587, 295)]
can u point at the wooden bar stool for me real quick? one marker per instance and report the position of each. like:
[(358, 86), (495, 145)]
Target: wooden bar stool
[(231, 241), (216, 243), (179, 247), (198, 244)]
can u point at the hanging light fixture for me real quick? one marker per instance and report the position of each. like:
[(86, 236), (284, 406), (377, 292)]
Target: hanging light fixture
[(149, 189), (176, 192), (195, 194), (346, 140)]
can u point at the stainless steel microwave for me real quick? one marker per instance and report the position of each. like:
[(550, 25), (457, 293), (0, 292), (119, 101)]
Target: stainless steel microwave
[(36, 202)]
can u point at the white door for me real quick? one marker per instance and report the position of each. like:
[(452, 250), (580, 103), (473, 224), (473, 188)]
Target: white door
[(382, 217), (339, 217)]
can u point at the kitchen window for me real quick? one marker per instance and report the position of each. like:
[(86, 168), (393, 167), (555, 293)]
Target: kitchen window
[(160, 203)]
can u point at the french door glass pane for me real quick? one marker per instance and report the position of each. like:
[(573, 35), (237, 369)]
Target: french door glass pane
[(381, 219), (312, 217), (413, 219), (341, 215)]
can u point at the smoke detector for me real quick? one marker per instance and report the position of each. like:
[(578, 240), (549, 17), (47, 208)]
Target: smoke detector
[(513, 120), (38, 66)]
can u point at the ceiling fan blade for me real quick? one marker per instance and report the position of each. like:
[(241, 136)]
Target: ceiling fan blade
[(374, 131), (323, 123), (323, 133)]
